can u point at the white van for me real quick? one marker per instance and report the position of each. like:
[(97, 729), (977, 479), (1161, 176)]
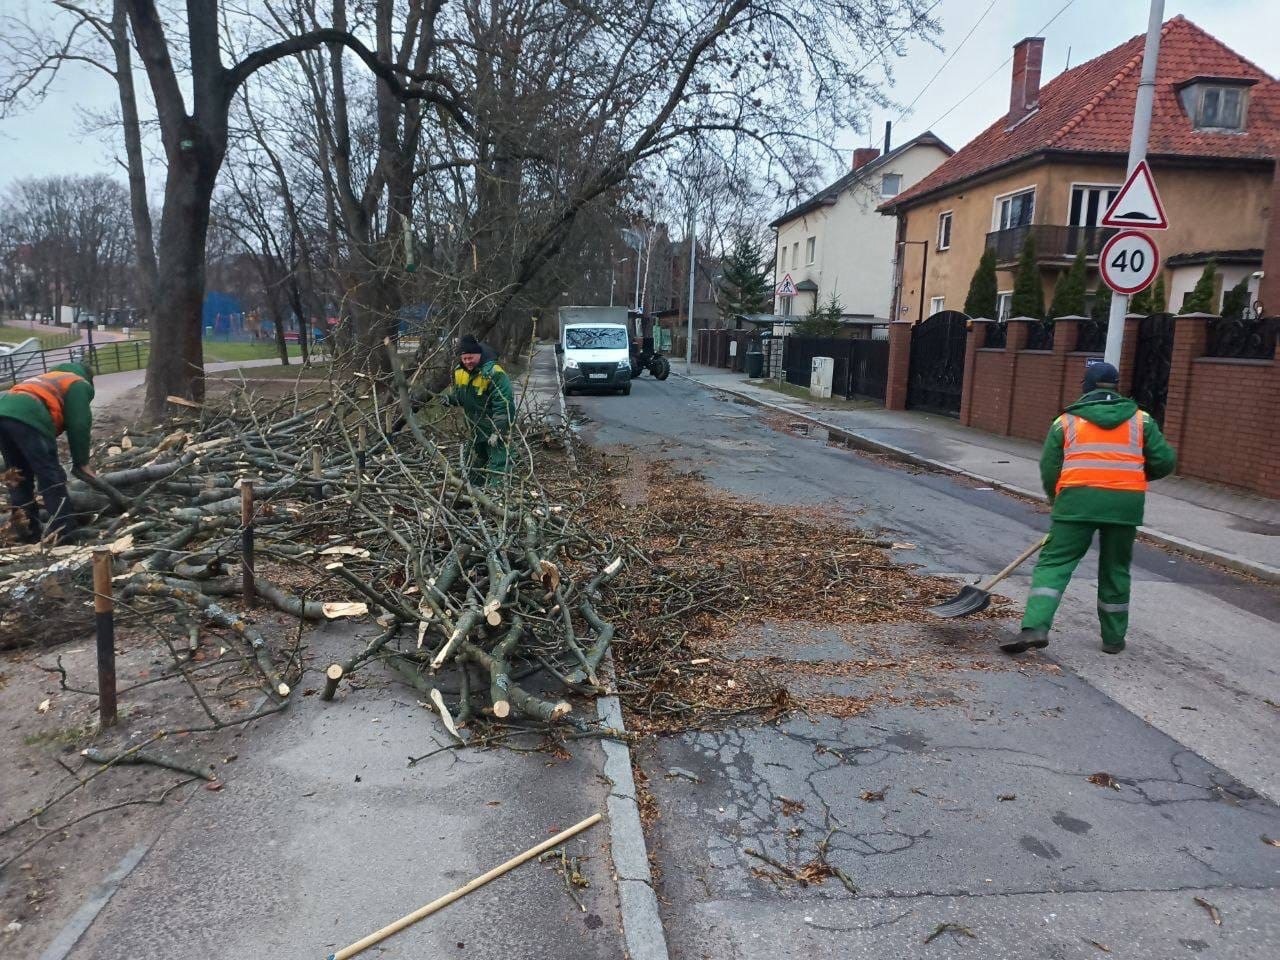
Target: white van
[(595, 356)]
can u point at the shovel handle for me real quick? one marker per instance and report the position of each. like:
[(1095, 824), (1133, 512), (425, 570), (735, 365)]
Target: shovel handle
[(1015, 563)]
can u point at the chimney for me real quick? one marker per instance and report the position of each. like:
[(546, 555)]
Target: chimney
[(864, 155), (1024, 91)]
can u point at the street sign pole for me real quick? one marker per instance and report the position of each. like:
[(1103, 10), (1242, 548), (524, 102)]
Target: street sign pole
[(1137, 153), (693, 264)]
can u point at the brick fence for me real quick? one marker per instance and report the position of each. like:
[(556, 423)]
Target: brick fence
[(1220, 413)]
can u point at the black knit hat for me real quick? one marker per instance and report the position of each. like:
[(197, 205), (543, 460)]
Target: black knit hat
[(469, 344)]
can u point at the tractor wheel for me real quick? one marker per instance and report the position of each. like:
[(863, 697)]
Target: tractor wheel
[(660, 367)]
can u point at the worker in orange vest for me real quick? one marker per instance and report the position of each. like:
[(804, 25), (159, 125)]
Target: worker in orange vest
[(1095, 466), (33, 414)]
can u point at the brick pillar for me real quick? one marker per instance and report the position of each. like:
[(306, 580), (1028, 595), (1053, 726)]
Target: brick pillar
[(1128, 351), (1066, 331), (1269, 290), (895, 391), (977, 338), (1190, 333), (1269, 469), (1019, 327)]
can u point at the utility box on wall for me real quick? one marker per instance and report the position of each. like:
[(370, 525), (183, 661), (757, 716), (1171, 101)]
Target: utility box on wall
[(820, 375)]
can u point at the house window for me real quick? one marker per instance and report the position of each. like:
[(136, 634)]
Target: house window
[(890, 184), (810, 249), (784, 305), (795, 254), (944, 230), (1004, 301), (935, 305), (782, 259), (1015, 210), (1215, 106)]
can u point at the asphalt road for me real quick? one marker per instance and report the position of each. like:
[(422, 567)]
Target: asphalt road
[(1185, 721)]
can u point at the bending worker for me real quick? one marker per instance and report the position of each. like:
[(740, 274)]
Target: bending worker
[(483, 390), (32, 415), (1095, 466)]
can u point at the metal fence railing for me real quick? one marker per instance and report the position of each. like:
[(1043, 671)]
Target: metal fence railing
[(102, 358)]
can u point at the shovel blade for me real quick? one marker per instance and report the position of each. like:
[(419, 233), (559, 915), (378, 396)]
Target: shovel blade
[(968, 601)]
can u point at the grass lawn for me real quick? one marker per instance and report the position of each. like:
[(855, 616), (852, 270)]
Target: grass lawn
[(47, 340), (216, 351)]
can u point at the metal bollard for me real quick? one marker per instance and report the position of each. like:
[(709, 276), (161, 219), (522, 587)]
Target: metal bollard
[(105, 627)]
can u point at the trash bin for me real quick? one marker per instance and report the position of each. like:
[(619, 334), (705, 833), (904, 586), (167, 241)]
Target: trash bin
[(755, 364)]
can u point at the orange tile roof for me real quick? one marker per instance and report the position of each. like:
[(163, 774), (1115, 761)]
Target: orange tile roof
[(1089, 109)]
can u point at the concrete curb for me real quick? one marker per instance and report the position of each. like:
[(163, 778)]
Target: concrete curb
[(1234, 561), (638, 903), (101, 895), (642, 930)]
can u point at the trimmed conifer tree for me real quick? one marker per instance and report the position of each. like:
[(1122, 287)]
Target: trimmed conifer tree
[(1028, 294), (1200, 299), (1069, 291), (981, 301), (1236, 300)]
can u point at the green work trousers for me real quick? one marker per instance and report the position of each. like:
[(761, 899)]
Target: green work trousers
[(1068, 542), (487, 462)]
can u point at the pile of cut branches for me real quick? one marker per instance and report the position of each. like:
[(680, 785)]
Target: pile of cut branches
[(350, 516)]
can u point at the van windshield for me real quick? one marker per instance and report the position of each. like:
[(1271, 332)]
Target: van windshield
[(596, 338)]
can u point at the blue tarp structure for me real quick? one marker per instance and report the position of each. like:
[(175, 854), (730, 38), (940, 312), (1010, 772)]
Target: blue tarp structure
[(223, 312), (413, 318)]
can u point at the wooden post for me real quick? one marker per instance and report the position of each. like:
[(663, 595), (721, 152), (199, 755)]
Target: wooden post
[(317, 474), (248, 586), (361, 445), (104, 622)]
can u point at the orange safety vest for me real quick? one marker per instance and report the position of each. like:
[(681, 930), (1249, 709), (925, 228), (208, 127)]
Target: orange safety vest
[(51, 390), (1101, 457)]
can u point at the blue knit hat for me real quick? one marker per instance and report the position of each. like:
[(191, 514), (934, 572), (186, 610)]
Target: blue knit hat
[(1098, 374)]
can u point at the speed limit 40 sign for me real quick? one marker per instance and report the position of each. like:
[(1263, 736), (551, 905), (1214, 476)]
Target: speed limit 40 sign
[(1129, 261)]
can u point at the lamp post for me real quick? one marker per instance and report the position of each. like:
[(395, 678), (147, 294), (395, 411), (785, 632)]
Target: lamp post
[(613, 279), (924, 270)]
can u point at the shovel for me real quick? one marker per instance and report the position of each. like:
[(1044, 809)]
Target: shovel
[(973, 599)]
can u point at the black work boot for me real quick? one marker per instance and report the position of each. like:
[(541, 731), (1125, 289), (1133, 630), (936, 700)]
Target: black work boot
[(1028, 638)]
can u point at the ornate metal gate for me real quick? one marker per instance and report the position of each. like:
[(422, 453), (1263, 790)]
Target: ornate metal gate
[(1151, 363), (937, 363)]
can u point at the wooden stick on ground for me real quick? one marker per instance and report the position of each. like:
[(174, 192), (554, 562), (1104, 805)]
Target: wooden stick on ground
[(442, 902)]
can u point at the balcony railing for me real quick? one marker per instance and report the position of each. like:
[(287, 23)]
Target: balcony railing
[(1053, 242)]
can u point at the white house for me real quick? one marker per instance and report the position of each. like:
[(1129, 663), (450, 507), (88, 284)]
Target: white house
[(837, 243)]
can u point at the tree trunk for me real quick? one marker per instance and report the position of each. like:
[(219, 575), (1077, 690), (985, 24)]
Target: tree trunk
[(176, 364), (144, 241), (282, 345)]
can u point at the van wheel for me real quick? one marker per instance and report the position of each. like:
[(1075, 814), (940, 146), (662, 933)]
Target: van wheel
[(567, 392), (626, 391)]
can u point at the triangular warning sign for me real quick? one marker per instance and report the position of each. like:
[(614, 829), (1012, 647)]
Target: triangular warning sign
[(787, 288), (1137, 204)]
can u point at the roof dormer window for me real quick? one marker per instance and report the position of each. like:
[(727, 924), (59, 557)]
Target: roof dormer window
[(1216, 105)]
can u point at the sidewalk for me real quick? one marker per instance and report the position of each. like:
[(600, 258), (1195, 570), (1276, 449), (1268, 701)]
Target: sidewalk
[(1208, 521), (108, 387)]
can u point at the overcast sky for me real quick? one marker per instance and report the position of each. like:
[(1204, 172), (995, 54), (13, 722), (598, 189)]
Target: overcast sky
[(48, 140)]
